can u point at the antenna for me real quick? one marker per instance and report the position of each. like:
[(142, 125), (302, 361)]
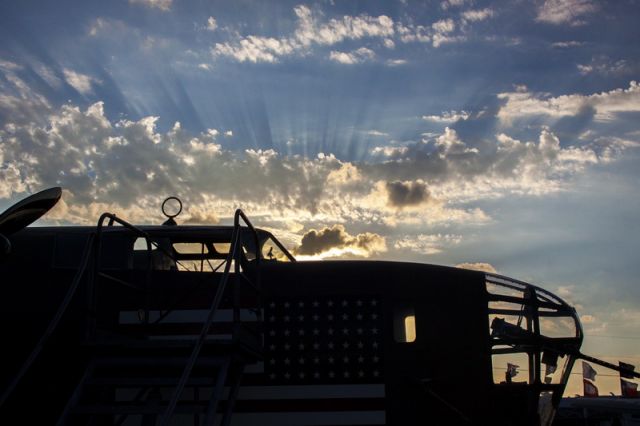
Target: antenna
[(173, 212)]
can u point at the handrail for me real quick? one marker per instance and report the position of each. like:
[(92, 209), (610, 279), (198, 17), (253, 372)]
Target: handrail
[(232, 255), (54, 322)]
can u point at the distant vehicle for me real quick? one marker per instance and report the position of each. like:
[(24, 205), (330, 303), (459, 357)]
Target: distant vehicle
[(155, 325)]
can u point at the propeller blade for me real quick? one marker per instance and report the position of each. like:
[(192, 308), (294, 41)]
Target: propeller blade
[(27, 211)]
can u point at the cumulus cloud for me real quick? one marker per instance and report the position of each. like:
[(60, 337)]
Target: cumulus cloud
[(476, 15), (478, 266), (447, 117), (164, 5), (605, 66), (309, 32), (427, 243), (605, 104), (337, 241), (421, 183), (565, 11), (403, 194), (80, 82), (212, 24), (446, 4), (354, 57)]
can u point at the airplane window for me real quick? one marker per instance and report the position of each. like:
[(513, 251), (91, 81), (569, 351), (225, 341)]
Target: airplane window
[(510, 368), (557, 326), (190, 248), (271, 251), (404, 324)]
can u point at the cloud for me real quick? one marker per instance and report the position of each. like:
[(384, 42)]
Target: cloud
[(478, 266), (355, 57), (427, 243), (396, 62), (603, 65), (212, 24), (80, 82), (447, 117), (452, 3), (417, 184), (606, 104), (565, 11), (164, 5), (476, 15), (309, 32), (566, 44), (335, 240), (403, 194)]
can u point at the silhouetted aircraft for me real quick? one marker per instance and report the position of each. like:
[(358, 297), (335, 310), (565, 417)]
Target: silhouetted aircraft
[(117, 324)]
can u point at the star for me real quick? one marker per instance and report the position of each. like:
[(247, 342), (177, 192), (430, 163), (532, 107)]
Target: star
[(316, 345), (345, 360), (346, 374), (359, 302), (301, 318), (376, 373), (344, 303), (345, 331), (316, 360), (272, 347), (287, 346), (330, 303), (272, 361), (359, 317), (286, 332), (359, 331), (272, 376), (330, 317), (286, 304), (316, 375), (301, 304), (373, 302), (286, 318), (360, 345), (330, 332), (376, 359), (301, 346), (345, 317), (330, 345), (287, 361), (315, 304), (361, 359), (272, 318), (374, 331), (374, 316), (330, 360), (316, 317), (287, 375), (272, 305), (316, 331), (272, 333), (375, 345), (345, 345), (301, 332), (360, 373), (301, 375), (331, 374), (301, 361)]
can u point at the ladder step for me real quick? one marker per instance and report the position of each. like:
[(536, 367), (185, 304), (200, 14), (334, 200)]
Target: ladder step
[(154, 361), (139, 409), (151, 381)]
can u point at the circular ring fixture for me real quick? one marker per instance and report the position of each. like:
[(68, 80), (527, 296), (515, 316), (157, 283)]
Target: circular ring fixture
[(171, 216)]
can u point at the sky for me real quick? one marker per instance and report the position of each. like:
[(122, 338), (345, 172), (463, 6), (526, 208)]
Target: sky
[(489, 134)]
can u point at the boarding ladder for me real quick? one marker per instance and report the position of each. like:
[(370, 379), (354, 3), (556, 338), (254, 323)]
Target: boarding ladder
[(176, 380)]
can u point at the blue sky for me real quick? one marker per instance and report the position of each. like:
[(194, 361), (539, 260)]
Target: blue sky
[(461, 131)]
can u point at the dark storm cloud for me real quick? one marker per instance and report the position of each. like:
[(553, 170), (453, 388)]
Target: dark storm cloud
[(402, 194)]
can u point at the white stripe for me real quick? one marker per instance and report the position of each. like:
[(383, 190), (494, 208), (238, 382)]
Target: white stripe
[(310, 418), (312, 391)]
